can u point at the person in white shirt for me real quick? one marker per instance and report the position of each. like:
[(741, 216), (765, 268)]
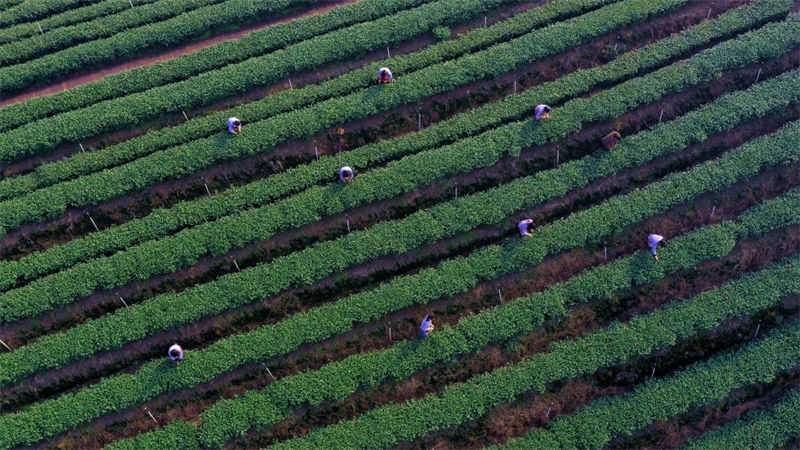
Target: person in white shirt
[(234, 125), (175, 353), (384, 75), (653, 240), (541, 112), (525, 227), (346, 174)]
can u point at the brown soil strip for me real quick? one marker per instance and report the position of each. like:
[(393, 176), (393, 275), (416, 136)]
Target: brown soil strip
[(94, 74)]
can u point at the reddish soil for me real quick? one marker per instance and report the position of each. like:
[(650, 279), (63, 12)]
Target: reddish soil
[(94, 74), (75, 223)]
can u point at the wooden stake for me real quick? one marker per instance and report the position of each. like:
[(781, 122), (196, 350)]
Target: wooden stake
[(122, 299), (419, 121), (709, 14), (388, 55), (558, 156), (757, 328), (758, 75), (151, 416), (348, 225), (615, 47), (605, 253), (316, 152), (515, 86), (92, 220), (548, 411), (390, 334), (236, 264), (484, 21), (184, 115), (82, 149), (652, 374), (131, 2), (500, 295), (206, 185), (290, 84), (40, 28), (5, 345), (268, 371), (661, 116), (714, 208), (456, 190)]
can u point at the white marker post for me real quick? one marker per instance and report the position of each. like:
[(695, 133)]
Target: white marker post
[(40, 28), (758, 75), (92, 220), (185, 116), (122, 300), (236, 264), (206, 185), (151, 416), (5, 345), (82, 149)]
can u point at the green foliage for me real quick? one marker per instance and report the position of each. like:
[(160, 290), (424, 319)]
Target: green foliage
[(50, 417), (771, 428), (218, 237), (32, 47), (702, 383), (32, 10), (441, 32), (203, 126), (338, 45), (594, 425), (230, 418), (227, 76), (69, 17), (186, 159), (161, 222)]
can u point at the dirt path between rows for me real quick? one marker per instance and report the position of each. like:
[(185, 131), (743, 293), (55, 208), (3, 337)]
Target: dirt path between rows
[(89, 75)]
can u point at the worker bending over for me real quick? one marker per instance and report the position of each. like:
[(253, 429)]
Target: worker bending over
[(346, 174), (384, 75), (426, 326), (611, 140), (653, 240), (234, 125), (541, 112), (525, 227), (175, 353)]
